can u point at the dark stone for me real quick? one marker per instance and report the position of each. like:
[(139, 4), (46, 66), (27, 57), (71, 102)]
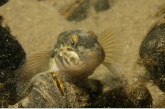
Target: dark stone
[(76, 11), (46, 93), (129, 96), (12, 54), (101, 5), (2, 2), (152, 52)]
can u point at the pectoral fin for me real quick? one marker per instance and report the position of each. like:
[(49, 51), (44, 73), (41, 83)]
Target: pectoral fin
[(112, 45), (114, 69), (34, 64)]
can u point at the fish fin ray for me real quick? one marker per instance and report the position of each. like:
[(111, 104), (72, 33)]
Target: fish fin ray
[(114, 69), (112, 45), (33, 65)]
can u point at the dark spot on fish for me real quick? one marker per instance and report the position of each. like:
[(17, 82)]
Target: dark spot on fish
[(65, 53), (87, 43), (60, 59), (69, 49), (53, 54), (81, 52), (72, 59), (66, 61)]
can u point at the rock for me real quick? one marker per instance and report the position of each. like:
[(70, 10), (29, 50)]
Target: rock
[(152, 53)]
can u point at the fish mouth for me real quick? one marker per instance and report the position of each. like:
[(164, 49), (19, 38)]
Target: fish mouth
[(79, 63), (62, 60)]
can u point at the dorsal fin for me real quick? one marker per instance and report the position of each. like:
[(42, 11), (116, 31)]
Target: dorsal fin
[(34, 64)]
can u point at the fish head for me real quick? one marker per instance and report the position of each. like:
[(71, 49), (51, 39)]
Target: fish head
[(78, 52)]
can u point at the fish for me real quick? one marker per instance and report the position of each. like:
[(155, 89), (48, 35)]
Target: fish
[(76, 55)]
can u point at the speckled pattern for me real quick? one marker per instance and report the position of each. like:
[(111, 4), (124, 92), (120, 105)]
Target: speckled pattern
[(37, 23)]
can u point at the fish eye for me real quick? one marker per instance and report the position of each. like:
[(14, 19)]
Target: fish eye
[(72, 42)]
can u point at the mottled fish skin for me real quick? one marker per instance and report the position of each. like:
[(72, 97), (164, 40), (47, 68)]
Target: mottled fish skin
[(78, 52), (76, 55)]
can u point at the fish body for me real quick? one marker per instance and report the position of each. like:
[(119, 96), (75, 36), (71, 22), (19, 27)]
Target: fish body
[(75, 57), (78, 52)]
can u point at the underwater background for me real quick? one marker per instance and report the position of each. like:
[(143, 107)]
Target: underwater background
[(37, 23)]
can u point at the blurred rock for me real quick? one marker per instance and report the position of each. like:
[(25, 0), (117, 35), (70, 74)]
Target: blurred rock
[(49, 91), (76, 11), (101, 5), (152, 53), (12, 56), (2, 2), (127, 96)]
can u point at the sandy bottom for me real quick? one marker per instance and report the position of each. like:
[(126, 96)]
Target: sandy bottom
[(37, 23)]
